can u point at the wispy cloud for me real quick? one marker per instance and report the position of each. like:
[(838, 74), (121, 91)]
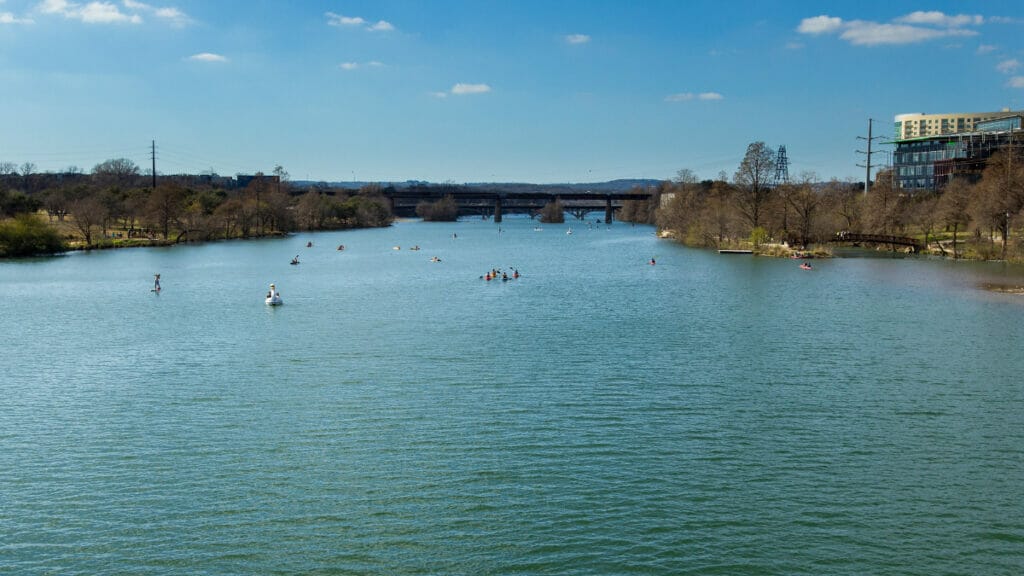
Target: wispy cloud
[(207, 57), (986, 48), (1008, 66), (439, 94), (91, 13), (381, 26), (909, 29), (794, 45), (339, 20), (171, 15), (577, 39), (688, 96), (10, 18), (1016, 82), (102, 12), (819, 25), (461, 89), (935, 18), (342, 21), (357, 65)]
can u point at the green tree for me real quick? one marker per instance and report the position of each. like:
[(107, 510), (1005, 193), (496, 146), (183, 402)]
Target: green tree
[(26, 235)]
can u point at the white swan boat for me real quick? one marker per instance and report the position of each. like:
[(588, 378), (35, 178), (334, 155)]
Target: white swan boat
[(274, 297)]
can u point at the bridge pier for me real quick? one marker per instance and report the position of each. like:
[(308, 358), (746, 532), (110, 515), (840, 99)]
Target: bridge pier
[(608, 210), (497, 209)]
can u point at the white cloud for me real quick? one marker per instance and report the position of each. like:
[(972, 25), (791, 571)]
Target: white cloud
[(381, 26), (91, 13), (577, 39), (105, 13), (1016, 82), (176, 17), (935, 18), (794, 45), (355, 21), (439, 94), (819, 25), (357, 65), (9, 18), (461, 89), (864, 33), (173, 15), (986, 48), (709, 96), (339, 20), (909, 29), (101, 12), (1004, 20), (207, 57), (1008, 66)]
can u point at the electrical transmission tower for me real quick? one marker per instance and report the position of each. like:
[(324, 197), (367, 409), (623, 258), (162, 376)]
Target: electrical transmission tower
[(781, 167)]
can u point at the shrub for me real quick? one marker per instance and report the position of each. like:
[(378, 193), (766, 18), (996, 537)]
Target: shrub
[(27, 235)]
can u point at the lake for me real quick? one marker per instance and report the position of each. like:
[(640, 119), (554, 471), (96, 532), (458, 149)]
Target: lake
[(598, 415)]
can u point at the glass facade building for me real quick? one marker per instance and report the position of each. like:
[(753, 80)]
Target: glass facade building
[(929, 163)]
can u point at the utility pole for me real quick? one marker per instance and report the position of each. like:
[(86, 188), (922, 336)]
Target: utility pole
[(152, 156), (867, 165)]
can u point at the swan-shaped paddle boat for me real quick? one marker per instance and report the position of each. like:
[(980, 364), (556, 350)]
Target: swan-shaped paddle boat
[(274, 297)]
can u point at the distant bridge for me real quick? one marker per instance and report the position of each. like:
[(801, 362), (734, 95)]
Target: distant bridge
[(488, 203), (849, 237)]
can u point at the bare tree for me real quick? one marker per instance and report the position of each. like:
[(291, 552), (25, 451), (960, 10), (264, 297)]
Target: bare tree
[(886, 206), (954, 208), (1000, 193), (87, 212), (753, 179), (804, 200), (120, 172), (164, 206)]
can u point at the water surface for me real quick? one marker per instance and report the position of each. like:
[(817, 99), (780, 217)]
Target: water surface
[(599, 415)]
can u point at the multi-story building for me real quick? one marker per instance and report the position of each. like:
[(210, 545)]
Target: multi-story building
[(931, 159), (919, 125)]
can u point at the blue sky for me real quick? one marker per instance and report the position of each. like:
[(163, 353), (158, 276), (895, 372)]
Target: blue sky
[(474, 91)]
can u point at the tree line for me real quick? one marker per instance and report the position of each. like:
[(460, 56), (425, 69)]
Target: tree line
[(977, 217), (113, 204)]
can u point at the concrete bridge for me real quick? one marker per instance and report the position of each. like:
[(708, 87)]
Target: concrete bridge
[(488, 203)]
